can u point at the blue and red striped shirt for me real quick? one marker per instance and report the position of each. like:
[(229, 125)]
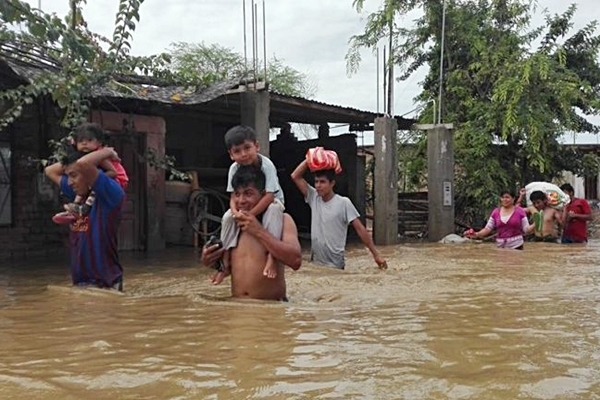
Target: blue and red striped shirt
[(93, 237)]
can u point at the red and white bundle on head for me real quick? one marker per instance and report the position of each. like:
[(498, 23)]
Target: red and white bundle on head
[(319, 159)]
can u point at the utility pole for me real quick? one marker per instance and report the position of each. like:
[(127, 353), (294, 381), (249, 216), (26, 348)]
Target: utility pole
[(73, 14), (442, 62), (390, 94)]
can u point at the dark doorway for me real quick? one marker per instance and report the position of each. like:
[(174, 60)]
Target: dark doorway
[(130, 146)]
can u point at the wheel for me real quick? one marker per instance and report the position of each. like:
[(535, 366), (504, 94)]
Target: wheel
[(205, 209)]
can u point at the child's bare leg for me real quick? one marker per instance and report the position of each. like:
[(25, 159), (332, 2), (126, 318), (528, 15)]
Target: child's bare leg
[(273, 223), (270, 270)]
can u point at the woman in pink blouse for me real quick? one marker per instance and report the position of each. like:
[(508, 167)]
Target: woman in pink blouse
[(509, 221)]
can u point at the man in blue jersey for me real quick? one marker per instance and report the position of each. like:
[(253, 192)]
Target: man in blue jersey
[(93, 237)]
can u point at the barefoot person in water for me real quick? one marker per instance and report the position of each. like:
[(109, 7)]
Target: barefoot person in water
[(255, 244)]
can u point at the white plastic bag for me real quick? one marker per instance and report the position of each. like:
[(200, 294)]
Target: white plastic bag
[(556, 197)]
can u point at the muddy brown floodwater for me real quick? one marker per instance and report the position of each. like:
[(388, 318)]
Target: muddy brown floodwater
[(464, 321)]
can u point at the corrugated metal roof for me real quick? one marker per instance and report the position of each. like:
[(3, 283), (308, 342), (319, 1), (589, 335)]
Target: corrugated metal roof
[(283, 97), (284, 108), (330, 112), (160, 94)]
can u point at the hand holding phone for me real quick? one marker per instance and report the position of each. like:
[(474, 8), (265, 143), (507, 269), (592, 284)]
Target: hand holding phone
[(206, 253), (212, 241)]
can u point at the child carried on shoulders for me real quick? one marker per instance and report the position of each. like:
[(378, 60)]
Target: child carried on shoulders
[(90, 137), (243, 148)]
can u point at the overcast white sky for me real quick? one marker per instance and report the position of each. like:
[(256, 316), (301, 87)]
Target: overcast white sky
[(309, 35)]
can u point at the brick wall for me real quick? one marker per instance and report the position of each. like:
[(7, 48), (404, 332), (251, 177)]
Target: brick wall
[(34, 199)]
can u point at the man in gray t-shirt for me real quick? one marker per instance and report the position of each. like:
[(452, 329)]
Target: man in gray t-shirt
[(331, 215)]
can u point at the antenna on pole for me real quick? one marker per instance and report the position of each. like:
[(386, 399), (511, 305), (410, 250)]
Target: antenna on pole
[(245, 45), (253, 43), (265, 40), (384, 80), (377, 80), (442, 62), (390, 94), (256, 61)]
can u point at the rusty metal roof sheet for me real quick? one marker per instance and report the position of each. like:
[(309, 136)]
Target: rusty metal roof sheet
[(145, 92), (315, 110), (219, 98)]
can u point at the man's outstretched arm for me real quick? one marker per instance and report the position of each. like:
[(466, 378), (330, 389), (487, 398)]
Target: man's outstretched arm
[(368, 241)]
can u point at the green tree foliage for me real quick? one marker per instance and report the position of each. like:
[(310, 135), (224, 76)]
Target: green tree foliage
[(511, 90), (209, 63), (72, 59)]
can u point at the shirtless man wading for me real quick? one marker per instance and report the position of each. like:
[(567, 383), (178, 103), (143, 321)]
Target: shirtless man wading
[(546, 220), (254, 244)]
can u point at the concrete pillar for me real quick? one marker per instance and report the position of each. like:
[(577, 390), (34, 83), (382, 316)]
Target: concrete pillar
[(385, 223), (440, 178), (255, 113)]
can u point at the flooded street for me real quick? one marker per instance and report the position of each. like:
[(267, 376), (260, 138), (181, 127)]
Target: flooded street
[(444, 322)]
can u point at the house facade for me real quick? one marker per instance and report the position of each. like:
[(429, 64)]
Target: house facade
[(150, 122)]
